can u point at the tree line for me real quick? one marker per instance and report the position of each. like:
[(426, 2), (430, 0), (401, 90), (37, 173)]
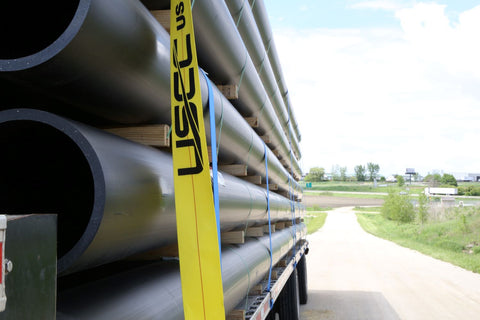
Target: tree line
[(370, 172), (362, 173)]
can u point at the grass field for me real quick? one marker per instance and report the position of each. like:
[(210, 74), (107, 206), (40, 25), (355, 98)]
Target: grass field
[(345, 195), (368, 209), (314, 220), (363, 187), (453, 236)]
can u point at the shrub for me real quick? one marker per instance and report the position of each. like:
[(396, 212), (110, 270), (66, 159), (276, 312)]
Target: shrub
[(448, 179), (469, 190), (462, 222), (398, 208), (422, 210), (400, 181), (475, 191)]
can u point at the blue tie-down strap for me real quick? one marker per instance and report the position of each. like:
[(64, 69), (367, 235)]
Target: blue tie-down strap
[(213, 144)]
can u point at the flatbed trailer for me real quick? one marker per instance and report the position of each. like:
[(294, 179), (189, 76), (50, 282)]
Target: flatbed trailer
[(86, 172), (33, 290)]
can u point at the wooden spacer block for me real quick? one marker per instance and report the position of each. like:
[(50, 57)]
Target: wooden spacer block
[(254, 232), (238, 170), (266, 138), (282, 263), (285, 163), (274, 275), (288, 224), (155, 135), (163, 17), (236, 315), (280, 225), (252, 121), (256, 290), (253, 179), (298, 220), (296, 155), (233, 237), (276, 153), (271, 186), (265, 228), (209, 150), (230, 91)]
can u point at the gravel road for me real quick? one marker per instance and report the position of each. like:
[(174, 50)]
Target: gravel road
[(354, 275)]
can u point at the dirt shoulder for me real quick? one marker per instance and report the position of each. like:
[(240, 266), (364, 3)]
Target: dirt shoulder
[(336, 202)]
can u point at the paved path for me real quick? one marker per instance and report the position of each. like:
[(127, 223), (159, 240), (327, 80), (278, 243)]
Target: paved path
[(354, 275)]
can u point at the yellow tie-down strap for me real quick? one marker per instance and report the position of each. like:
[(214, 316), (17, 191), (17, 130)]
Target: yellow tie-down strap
[(198, 245)]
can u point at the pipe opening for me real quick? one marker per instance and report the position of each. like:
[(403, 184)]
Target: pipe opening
[(27, 28), (43, 171)]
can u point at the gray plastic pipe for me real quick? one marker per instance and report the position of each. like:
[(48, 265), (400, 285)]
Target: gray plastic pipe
[(246, 25), (92, 70), (263, 23), (113, 197), (239, 141), (153, 291), (222, 53)]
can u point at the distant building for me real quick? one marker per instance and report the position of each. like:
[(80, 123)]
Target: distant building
[(466, 177), (391, 179)]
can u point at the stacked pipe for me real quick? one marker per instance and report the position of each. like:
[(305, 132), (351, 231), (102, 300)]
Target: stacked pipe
[(89, 64), (148, 291), (261, 18), (114, 197), (224, 56), (104, 84), (242, 14)]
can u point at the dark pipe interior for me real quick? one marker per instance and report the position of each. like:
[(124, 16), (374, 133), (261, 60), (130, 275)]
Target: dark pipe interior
[(43, 171), (29, 27)]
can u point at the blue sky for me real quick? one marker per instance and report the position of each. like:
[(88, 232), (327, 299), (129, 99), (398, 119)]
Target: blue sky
[(310, 14), (386, 81), (324, 14)]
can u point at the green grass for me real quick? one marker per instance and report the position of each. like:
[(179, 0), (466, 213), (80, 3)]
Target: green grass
[(362, 187), (315, 220), (368, 209), (345, 186), (346, 195), (318, 208), (446, 240)]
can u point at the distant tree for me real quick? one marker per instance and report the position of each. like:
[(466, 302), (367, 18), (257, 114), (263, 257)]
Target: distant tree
[(400, 180), (448, 179), (433, 180), (373, 169), (382, 179), (360, 172), (343, 173), (316, 174), (336, 173)]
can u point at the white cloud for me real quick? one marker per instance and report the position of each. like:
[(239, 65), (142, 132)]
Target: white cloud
[(303, 8), (402, 98)]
